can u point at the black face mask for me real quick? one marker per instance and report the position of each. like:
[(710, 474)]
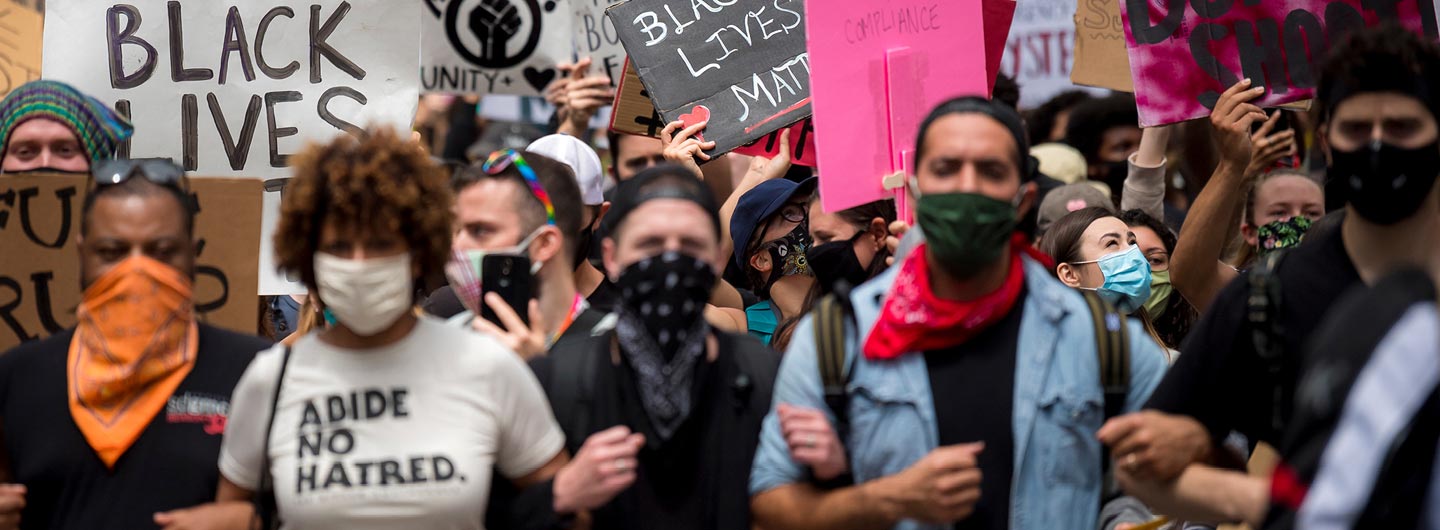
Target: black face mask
[(583, 245), (836, 261), (788, 257), (1386, 184), (667, 294), (1115, 174)]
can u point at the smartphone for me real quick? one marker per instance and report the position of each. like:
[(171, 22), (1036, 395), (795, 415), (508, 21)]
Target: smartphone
[(509, 277)]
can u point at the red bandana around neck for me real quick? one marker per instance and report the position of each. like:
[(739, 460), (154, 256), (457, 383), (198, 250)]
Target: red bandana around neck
[(915, 320)]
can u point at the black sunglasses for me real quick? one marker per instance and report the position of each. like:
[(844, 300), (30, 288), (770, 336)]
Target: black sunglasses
[(159, 171)]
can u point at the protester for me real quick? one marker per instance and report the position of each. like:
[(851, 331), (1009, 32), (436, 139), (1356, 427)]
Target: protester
[(519, 203), (972, 326), (118, 419), (770, 234), (1239, 369), (1170, 314), (661, 381), (50, 126), (631, 154), (1048, 122), (1106, 131), (849, 244), (582, 160), (1282, 205), (1095, 251), (385, 419)]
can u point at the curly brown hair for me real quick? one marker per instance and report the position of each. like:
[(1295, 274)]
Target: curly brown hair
[(376, 182)]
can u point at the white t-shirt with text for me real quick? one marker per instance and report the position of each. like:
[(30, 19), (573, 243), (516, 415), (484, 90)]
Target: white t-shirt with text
[(400, 436)]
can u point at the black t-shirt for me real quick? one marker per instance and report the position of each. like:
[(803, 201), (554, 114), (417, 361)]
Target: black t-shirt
[(173, 464), (605, 296), (1220, 379), (973, 386), (699, 478)]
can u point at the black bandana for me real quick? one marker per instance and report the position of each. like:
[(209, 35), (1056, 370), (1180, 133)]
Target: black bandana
[(661, 329)]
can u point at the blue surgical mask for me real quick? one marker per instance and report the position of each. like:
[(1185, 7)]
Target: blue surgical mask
[(1127, 279)]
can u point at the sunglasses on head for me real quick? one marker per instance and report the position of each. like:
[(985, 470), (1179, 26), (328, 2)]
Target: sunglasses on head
[(158, 171), (499, 161)]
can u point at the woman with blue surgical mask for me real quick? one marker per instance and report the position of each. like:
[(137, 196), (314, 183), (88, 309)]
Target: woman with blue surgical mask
[(1095, 250)]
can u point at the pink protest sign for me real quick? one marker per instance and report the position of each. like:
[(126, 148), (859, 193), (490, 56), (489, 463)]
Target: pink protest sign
[(935, 50), (802, 144), (1184, 54)]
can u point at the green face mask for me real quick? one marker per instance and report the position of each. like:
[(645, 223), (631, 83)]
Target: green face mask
[(965, 231), (1160, 291)]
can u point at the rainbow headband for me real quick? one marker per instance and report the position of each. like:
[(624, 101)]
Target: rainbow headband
[(500, 160)]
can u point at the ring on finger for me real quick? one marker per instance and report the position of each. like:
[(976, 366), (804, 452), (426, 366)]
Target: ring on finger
[(1131, 461), (809, 440), (621, 465)]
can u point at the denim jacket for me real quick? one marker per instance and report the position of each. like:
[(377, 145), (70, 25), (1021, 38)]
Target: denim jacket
[(1058, 405)]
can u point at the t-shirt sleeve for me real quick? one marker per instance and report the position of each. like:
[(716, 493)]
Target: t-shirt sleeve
[(242, 453), (529, 436), (1204, 380)]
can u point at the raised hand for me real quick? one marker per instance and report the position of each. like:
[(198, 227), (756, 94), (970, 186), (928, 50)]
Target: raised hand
[(682, 146), (494, 22), (1232, 118), (1266, 149)]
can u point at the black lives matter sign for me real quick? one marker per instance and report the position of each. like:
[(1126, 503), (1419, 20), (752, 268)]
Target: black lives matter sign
[(740, 63), (232, 88)]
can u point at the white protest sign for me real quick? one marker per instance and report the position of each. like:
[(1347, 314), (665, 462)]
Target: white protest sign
[(1041, 50), (596, 38), (233, 88), (529, 109), (494, 46)]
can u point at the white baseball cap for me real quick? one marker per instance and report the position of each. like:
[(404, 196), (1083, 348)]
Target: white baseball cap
[(569, 150)]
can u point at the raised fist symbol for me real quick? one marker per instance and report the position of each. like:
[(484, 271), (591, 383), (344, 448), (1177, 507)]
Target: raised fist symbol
[(494, 22)]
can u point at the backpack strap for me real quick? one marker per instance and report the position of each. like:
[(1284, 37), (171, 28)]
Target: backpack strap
[(1266, 331), (830, 315), (265, 505), (1112, 346)]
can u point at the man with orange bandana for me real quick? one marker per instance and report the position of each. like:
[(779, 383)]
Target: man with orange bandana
[(111, 423)]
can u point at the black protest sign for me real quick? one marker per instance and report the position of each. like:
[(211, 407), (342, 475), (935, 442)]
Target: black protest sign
[(740, 63), (40, 266), (494, 46)]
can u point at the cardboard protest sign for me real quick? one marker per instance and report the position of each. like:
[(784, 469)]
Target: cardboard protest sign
[(493, 46), (1100, 57), (879, 67), (40, 267), (233, 88), (1184, 55), (1041, 49), (20, 30), (741, 65), (633, 113), (597, 38)]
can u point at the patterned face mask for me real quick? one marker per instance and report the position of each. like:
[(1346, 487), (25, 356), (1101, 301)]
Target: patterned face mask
[(787, 256), (1282, 234)]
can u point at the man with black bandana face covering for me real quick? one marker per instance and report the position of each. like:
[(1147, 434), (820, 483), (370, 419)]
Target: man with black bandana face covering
[(656, 373), (1377, 101)]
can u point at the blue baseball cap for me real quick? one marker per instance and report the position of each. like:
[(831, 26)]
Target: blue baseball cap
[(759, 204)]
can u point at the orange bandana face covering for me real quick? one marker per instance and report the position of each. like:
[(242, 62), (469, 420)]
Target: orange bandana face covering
[(135, 342)]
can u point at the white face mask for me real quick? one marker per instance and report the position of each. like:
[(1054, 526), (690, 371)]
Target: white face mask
[(367, 296)]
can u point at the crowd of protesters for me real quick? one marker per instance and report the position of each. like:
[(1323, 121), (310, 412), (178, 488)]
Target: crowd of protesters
[(1084, 325)]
